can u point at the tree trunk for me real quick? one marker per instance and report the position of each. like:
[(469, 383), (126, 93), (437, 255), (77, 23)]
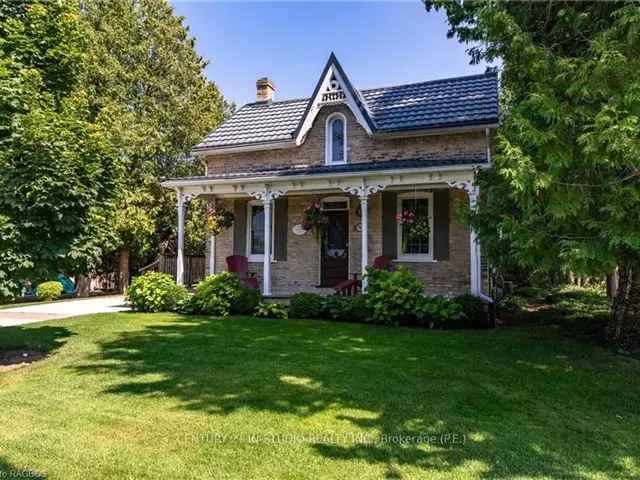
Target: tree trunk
[(82, 284), (624, 326), (612, 284), (123, 269)]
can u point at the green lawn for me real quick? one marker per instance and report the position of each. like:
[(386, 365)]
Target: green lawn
[(167, 396)]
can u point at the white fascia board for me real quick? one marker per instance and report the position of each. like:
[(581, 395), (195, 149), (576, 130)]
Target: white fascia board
[(325, 180), (243, 148)]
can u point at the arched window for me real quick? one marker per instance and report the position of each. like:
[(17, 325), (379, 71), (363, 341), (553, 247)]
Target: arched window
[(336, 138)]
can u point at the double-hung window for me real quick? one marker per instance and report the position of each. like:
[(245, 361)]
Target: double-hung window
[(255, 231), (415, 226)]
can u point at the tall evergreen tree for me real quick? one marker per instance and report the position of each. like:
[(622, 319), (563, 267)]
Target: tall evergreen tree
[(565, 187)]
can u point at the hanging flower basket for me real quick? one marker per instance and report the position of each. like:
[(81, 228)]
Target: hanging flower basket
[(416, 229), (218, 219), (313, 218), (420, 230)]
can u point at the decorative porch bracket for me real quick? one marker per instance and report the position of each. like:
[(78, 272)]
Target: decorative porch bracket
[(183, 199), (473, 192), (363, 190), (267, 196)]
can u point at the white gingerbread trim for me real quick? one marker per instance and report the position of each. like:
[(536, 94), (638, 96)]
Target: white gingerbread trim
[(184, 198), (267, 195), (363, 191), (469, 187), (346, 97)]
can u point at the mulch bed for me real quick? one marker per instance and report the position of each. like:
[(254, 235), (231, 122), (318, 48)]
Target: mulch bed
[(12, 359)]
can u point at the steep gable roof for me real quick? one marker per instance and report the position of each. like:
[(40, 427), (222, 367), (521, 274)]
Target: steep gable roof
[(334, 82), (446, 103)]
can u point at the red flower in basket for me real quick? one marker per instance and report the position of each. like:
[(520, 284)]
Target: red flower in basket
[(406, 217)]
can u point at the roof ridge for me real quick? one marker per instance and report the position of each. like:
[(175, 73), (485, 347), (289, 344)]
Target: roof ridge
[(288, 100), (438, 80)]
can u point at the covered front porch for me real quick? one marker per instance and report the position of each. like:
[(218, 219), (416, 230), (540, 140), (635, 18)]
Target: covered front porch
[(361, 208)]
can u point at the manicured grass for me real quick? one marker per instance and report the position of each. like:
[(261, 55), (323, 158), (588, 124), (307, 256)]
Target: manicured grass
[(167, 396)]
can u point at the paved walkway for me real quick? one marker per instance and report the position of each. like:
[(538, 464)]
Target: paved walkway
[(69, 308)]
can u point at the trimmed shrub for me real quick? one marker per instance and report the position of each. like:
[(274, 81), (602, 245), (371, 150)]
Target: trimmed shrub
[(392, 297), (49, 290), (439, 312), (474, 309), (216, 295), (345, 309), (246, 302), (305, 305), (156, 292), (271, 310)]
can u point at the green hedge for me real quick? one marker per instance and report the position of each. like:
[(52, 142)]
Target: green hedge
[(156, 292), (305, 305), (222, 295)]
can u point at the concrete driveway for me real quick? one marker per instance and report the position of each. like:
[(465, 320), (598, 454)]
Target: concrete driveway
[(69, 308)]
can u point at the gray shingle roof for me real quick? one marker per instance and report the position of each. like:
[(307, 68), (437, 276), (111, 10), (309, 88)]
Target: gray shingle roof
[(448, 102), (462, 101), (258, 123), (346, 168)]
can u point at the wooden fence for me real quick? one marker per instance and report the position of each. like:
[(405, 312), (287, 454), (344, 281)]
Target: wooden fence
[(194, 267), (104, 282)]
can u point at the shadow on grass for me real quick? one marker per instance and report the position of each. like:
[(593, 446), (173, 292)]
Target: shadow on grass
[(7, 470), (46, 339), (527, 406)]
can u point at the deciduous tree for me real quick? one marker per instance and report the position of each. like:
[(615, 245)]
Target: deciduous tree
[(565, 188), (59, 175), (148, 87)]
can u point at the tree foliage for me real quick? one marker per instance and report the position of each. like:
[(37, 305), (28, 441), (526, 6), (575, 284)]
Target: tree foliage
[(98, 100), (59, 174), (565, 185), (147, 84)]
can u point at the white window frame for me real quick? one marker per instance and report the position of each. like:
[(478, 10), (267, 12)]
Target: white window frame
[(331, 200), (257, 257), (328, 151), (415, 257)]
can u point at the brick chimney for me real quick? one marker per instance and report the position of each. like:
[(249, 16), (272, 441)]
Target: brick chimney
[(264, 90)]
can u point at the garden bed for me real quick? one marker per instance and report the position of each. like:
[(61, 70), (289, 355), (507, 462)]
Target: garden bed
[(12, 359)]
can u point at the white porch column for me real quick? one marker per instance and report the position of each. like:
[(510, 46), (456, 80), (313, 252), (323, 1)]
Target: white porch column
[(212, 254), (266, 269), (267, 196), (180, 252), (362, 190), (212, 248), (364, 207), (474, 246)]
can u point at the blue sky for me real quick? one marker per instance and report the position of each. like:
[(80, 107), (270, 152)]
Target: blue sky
[(377, 43)]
